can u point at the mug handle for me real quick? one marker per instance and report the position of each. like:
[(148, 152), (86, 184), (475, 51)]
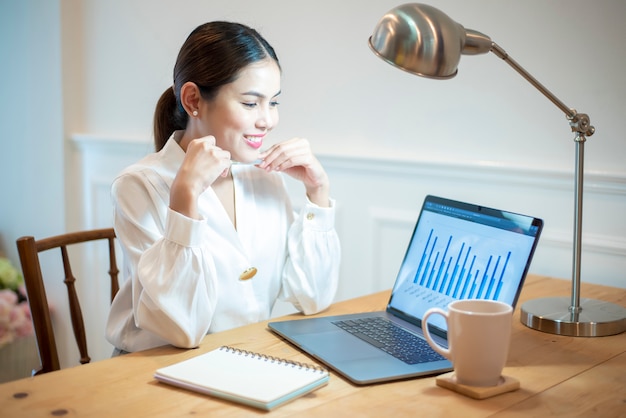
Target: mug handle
[(435, 346)]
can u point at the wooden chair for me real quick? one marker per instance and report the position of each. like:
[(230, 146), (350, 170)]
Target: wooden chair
[(29, 249)]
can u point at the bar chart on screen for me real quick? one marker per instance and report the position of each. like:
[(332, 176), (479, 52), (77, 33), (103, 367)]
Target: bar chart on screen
[(460, 270), (463, 253), (456, 260)]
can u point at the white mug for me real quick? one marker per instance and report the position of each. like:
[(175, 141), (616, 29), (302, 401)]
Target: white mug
[(479, 332)]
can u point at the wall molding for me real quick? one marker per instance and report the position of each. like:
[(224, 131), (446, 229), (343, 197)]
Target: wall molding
[(400, 181), (594, 181), (497, 173)]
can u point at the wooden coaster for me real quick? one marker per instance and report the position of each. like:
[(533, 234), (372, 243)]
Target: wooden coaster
[(506, 384)]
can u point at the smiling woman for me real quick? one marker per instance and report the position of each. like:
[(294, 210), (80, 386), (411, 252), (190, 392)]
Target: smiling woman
[(210, 244)]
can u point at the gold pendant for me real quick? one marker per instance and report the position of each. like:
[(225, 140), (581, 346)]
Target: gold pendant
[(248, 274)]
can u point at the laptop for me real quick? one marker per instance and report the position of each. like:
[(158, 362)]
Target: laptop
[(457, 251)]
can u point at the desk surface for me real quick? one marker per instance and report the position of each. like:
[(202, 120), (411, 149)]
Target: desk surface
[(559, 376)]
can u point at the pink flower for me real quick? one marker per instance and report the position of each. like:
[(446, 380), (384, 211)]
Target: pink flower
[(8, 297), (21, 320), (15, 318)]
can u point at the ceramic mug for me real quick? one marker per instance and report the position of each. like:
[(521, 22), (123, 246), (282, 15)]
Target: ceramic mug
[(479, 332)]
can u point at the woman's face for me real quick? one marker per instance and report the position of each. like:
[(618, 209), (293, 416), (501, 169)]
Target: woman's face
[(244, 111)]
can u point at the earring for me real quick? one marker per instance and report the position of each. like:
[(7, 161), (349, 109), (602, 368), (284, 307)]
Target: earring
[(195, 113)]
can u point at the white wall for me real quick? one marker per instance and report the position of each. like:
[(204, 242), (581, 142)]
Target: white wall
[(32, 167), (485, 136), (351, 104), (336, 92)]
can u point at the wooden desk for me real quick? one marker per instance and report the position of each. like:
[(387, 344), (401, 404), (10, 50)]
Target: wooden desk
[(559, 376)]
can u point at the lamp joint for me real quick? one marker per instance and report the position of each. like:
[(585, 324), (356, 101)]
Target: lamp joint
[(581, 124)]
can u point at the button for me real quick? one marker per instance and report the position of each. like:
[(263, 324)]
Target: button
[(248, 274), (310, 216)]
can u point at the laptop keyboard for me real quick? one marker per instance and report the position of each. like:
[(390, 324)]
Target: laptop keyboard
[(389, 337)]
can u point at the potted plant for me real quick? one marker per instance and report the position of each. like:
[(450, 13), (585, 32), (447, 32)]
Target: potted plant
[(18, 354)]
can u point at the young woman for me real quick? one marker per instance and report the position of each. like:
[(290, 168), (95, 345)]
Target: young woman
[(209, 237)]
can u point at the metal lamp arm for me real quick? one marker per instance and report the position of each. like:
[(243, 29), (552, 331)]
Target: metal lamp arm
[(579, 122)]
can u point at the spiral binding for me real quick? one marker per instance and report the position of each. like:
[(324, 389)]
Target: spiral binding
[(276, 360)]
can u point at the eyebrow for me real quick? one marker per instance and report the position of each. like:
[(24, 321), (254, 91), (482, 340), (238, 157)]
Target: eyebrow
[(257, 94)]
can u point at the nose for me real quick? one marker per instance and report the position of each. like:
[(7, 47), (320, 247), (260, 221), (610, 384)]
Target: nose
[(268, 118)]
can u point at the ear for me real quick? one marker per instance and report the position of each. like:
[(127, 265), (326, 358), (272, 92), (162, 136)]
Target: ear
[(190, 97)]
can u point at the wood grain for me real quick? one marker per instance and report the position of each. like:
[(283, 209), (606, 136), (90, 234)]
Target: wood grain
[(559, 376)]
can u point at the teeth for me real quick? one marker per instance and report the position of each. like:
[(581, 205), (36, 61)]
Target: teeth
[(253, 138)]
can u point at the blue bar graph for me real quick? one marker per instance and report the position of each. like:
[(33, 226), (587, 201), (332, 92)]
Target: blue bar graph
[(463, 274)]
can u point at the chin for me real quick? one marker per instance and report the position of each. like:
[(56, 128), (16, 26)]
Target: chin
[(245, 158)]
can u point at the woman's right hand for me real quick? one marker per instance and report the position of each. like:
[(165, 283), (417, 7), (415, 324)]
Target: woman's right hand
[(204, 162)]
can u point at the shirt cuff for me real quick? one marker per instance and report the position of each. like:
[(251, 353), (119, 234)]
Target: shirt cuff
[(183, 230), (318, 218)]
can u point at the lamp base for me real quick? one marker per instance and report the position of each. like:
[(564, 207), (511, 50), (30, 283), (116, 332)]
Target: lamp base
[(595, 319)]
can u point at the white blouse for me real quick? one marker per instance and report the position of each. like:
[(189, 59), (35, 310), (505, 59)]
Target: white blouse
[(182, 276)]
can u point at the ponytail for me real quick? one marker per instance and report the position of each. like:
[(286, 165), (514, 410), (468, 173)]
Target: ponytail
[(167, 118)]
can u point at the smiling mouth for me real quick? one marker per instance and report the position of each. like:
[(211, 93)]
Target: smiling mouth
[(254, 141)]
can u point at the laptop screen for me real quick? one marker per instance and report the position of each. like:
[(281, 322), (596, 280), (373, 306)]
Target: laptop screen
[(463, 251)]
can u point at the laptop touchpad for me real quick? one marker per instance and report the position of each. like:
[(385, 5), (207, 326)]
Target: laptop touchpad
[(337, 346)]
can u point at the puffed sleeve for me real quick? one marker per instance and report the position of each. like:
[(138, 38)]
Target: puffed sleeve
[(311, 273), (173, 286)]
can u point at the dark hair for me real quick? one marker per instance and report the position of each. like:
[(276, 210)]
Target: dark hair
[(213, 55)]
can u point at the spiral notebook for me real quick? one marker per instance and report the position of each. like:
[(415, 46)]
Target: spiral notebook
[(242, 376)]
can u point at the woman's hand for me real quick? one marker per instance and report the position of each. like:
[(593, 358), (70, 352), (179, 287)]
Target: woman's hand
[(203, 164), (295, 158)]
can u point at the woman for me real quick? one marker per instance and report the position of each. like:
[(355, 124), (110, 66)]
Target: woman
[(209, 237)]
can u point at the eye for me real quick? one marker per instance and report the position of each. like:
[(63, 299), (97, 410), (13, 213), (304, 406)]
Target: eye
[(251, 105), (274, 103)]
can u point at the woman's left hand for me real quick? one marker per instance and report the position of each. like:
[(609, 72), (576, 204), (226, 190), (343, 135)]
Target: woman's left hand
[(295, 158)]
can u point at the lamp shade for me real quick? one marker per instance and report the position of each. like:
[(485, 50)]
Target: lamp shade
[(423, 40)]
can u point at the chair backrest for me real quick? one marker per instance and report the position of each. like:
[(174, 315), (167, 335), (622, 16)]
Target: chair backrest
[(29, 249)]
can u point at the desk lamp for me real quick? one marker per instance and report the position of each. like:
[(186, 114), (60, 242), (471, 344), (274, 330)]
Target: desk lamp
[(422, 40)]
